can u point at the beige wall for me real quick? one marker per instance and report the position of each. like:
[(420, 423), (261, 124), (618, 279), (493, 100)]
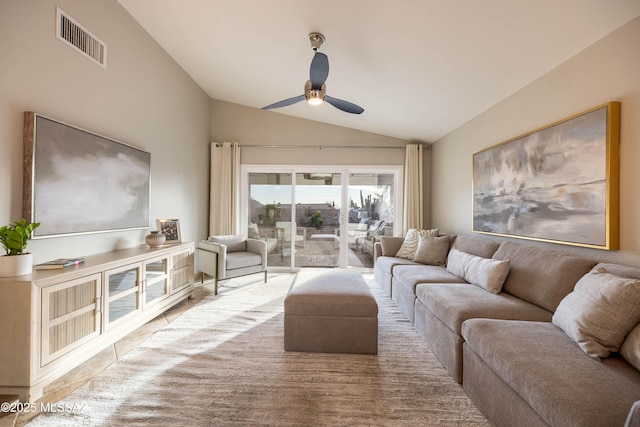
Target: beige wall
[(607, 71), (252, 126), (143, 98)]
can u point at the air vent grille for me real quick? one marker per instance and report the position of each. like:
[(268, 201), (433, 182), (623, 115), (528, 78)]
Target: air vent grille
[(73, 34)]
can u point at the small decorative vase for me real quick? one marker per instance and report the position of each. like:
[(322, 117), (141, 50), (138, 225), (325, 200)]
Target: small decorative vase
[(155, 239), (16, 265)]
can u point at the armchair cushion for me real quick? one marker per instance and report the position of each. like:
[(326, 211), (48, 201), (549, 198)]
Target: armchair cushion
[(233, 242), (237, 260)]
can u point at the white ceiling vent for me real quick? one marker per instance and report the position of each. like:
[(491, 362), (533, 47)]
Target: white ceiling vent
[(70, 32)]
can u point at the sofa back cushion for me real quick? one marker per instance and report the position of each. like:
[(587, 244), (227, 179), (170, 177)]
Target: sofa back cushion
[(478, 247), (541, 276), (390, 245)]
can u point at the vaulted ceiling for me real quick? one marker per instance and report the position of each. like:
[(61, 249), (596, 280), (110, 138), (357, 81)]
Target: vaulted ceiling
[(419, 68)]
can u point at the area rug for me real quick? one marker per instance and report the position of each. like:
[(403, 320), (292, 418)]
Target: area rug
[(223, 363)]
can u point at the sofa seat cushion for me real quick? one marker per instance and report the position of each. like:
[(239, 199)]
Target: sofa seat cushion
[(540, 276), (237, 260), (411, 275), (551, 373), (387, 263), (455, 303)]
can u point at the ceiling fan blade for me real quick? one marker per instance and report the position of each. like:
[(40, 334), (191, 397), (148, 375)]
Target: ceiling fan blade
[(319, 70), (285, 102), (346, 106)]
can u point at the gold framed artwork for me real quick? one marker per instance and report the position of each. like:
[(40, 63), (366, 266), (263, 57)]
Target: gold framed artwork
[(556, 184), (170, 228)]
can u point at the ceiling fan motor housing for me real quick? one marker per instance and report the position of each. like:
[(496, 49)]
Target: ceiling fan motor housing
[(316, 40)]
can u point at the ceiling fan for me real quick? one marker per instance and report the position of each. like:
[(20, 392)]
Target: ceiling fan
[(315, 88)]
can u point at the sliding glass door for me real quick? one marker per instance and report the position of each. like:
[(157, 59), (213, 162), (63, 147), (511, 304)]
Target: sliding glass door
[(269, 213), (318, 198), (320, 216), (372, 210)]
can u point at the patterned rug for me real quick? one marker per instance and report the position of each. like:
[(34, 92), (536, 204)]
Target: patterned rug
[(223, 363)]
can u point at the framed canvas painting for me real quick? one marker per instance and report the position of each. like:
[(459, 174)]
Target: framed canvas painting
[(556, 184), (78, 182)]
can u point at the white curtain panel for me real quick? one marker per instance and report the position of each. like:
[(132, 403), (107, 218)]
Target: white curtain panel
[(413, 191), (224, 188)]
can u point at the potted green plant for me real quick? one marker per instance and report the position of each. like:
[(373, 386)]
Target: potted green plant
[(13, 238)]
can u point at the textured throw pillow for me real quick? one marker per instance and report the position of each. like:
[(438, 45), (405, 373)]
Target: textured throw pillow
[(457, 262), (489, 274), (410, 244), (432, 250), (630, 348), (600, 312)]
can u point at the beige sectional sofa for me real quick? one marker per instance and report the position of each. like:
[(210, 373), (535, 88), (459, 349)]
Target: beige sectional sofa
[(506, 349)]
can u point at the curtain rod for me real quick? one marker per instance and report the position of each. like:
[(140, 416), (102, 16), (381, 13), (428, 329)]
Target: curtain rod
[(320, 147)]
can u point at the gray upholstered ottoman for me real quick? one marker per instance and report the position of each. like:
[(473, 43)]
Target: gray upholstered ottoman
[(330, 312)]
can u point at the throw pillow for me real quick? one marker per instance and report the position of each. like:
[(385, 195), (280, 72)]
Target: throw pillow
[(630, 348), (432, 250), (600, 312), (410, 244), (489, 274)]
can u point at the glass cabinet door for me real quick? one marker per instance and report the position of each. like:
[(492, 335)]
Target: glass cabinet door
[(122, 293), (156, 280)]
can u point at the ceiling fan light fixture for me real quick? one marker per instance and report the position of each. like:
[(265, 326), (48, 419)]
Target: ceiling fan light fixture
[(314, 89), (314, 96)]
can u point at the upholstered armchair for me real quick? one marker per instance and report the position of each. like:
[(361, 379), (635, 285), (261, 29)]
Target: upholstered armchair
[(225, 257)]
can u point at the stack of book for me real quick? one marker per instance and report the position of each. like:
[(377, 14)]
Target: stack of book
[(59, 263)]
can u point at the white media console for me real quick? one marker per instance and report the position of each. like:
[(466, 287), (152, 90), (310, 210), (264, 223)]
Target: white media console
[(53, 320)]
